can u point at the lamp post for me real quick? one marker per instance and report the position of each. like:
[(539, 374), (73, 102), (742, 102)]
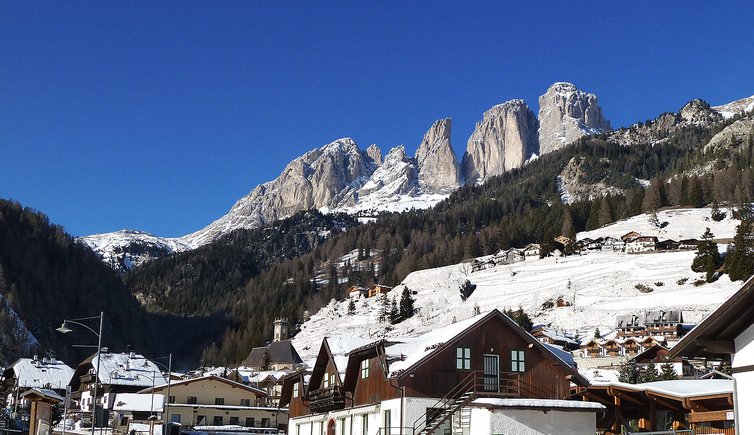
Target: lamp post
[(64, 329), (166, 404)]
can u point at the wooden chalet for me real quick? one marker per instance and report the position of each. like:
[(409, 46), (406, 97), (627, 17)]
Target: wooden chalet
[(664, 323), (658, 354), (629, 236), (688, 244), (413, 384), (642, 244), (701, 405), (612, 244), (631, 325), (592, 349), (378, 289), (532, 250), (668, 245), (356, 291)]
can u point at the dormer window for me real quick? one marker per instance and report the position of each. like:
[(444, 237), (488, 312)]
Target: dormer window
[(295, 390), (365, 369)]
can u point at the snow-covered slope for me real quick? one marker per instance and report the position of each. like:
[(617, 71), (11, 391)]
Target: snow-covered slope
[(602, 283), (125, 249), (734, 107)]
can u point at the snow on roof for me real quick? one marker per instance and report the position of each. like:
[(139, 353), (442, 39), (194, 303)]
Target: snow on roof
[(251, 375), (41, 373), (43, 392), (416, 348), (128, 369), (555, 336), (340, 345), (681, 388), (539, 403), (566, 357), (135, 402)]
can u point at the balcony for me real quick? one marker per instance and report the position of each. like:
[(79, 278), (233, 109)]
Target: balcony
[(327, 399)]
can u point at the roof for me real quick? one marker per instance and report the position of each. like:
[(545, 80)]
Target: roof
[(281, 352), (250, 375), (714, 336), (539, 403), (679, 388), (662, 316), (136, 402), (127, 369), (651, 354), (42, 373), (557, 337), (630, 321), (212, 378), (44, 394)]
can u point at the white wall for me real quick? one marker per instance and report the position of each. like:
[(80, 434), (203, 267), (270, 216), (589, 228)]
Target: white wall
[(744, 356), (510, 421)]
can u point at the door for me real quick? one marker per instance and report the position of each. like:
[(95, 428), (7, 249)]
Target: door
[(331, 427), (492, 373)]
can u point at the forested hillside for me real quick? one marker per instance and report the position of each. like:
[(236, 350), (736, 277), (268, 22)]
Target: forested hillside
[(516, 208), (46, 277)]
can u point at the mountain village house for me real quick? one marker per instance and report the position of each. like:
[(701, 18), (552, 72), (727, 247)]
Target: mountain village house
[(378, 289), (641, 244), (28, 373), (478, 375), (215, 401), (118, 373)]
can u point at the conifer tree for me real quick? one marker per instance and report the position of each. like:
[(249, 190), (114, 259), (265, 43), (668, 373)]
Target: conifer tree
[(707, 256), (568, 229), (605, 214), (351, 307), (667, 372), (649, 373), (739, 260), (406, 304), (395, 315), (629, 372), (384, 308)]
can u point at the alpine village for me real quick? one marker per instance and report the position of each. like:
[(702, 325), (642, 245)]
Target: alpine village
[(563, 277)]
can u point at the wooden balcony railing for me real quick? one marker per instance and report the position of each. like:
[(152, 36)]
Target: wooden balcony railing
[(327, 399)]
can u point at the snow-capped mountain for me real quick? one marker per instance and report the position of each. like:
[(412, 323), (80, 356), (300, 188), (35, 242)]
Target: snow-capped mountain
[(599, 286), (734, 107), (125, 249)]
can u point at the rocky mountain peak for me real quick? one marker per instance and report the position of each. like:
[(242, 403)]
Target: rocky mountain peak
[(699, 112), (567, 114), (504, 138), (375, 153), (396, 176), (436, 160)]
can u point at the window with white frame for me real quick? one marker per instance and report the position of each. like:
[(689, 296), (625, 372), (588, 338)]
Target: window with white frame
[(295, 390), (365, 369)]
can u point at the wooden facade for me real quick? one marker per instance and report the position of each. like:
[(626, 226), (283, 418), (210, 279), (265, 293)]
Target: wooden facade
[(510, 361)]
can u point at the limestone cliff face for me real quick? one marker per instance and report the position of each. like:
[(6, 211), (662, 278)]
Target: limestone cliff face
[(325, 177), (504, 138), (375, 153), (436, 160), (567, 114)]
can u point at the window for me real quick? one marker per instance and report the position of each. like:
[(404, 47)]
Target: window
[(365, 424), (326, 381), (245, 402), (517, 361), (332, 379), (249, 421), (233, 420), (365, 369), (463, 358), (265, 422), (342, 425), (175, 418), (295, 390), (171, 399), (191, 400), (217, 420), (219, 401), (201, 420), (387, 421)]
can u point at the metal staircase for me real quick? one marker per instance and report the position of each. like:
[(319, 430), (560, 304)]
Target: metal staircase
[(476, 384)]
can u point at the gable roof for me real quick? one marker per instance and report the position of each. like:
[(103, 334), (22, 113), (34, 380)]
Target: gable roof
[(404, 354), (123, 369), (281, 352), (714, 336), (335, 348), (31, 373), (208, 378)]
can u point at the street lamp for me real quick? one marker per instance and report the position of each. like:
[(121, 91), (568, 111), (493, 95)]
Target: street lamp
[(64, 329), (166, 404)]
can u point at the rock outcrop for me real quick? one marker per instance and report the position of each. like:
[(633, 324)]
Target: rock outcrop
[(567, 114), (325, 177), (504, 139), (375, 153), (396, 176), (744, 105), (698, 112), (732, 136), (436, 160)]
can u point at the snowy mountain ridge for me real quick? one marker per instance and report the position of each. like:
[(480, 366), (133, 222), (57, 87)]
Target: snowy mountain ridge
[(599, 285)]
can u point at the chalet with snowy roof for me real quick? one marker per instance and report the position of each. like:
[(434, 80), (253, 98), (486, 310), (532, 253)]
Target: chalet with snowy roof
[(727, 334), (555, 338), (668, 245), (664, 323), (378, 289), (356, 291), (212, 401), (618, 347), (270, 381), (508, 256), (688, 244), (486, 367), (658, 354), (631, 325), (532, 250), (278, 355), (641, 244), (118, 373), (629, 236), (703, 406), (41, 373), (613, 244)]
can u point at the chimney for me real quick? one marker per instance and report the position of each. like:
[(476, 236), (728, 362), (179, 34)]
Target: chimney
[(281, 330)]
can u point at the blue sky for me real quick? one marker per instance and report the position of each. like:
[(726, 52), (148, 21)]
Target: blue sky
[(158, 116)]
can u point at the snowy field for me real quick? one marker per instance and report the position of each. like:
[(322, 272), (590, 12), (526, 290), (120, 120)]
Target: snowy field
[(602, 284)]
